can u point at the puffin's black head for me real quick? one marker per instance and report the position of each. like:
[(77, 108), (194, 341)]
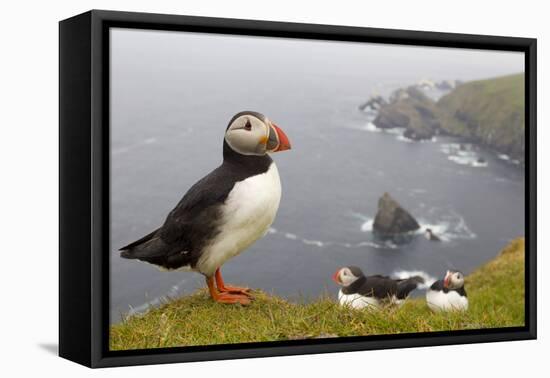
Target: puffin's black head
[(454, 279), (347, 275), (253, 134)]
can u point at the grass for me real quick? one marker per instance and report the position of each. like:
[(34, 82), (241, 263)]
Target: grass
[(495, 290)]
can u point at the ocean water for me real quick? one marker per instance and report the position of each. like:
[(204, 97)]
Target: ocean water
[(172, 96)]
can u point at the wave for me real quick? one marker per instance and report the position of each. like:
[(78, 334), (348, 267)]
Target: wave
[(404, 274), (157, 301), (372, 128), (472, 161), (399, 133), (124, 149), (463, 154), (403, 138), (322, 244)]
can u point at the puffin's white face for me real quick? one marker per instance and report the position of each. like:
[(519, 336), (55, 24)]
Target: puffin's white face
[(345, 276), (249, 135), (453, 280)]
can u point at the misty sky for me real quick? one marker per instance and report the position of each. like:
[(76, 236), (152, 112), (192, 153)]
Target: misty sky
[(208, 53)]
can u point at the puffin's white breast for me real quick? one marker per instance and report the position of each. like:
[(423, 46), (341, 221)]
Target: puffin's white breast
[(440, 301), (357, 301), (248, 211)]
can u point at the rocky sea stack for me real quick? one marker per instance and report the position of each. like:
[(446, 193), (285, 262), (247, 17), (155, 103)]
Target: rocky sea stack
[(392, 219)]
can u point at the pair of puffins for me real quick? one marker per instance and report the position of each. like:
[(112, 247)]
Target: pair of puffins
[(359, 291)]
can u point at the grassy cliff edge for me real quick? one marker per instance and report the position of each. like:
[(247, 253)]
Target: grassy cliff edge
[(490, 111), (496, 292)]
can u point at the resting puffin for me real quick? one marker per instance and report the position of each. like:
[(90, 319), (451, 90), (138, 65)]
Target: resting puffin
[(359, 291), (448, 294), (223, 213)]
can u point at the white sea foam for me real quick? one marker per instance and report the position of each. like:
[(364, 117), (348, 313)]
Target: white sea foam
[(372, 128), (395, 131), (155, 302), (469, 160), (448, 148), (143, 308), (367, 225), (323, 244), (404, 274), (124, 149), (403, 138), (318, 243), (447, 225), (462, 154)]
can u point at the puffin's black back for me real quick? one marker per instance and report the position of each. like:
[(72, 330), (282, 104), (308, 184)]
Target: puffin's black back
[(382, 286)]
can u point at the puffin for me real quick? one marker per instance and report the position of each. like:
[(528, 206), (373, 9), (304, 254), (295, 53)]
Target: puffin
[(359, 291), (431, 236), (223, 213), (448, 294)]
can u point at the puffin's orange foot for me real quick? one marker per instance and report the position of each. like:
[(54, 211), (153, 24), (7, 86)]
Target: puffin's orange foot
[(225, 297), (236, 290), (230, 289), (232, 298)]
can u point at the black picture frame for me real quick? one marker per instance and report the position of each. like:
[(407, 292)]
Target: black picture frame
[(84, 186)]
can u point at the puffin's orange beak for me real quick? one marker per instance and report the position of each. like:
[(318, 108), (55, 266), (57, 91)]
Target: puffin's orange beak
[(446, 280), (284, 143), (336, 277)]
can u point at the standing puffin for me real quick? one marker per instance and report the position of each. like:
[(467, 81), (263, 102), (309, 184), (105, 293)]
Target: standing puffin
[(359, 291), (448, 294), (223, 213)]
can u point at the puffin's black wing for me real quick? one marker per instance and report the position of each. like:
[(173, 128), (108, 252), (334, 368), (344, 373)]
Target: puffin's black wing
[(404, 287), (139, 241), (438, 286), (191, 224), (379, 286)]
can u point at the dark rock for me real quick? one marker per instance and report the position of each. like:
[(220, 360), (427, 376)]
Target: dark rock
[(446, 85), (412, 110), (431, 236), (373, 104), (389, 117), (418, 135), (392, 219)]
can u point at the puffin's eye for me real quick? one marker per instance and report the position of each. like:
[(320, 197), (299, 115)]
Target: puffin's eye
[(248, 126)]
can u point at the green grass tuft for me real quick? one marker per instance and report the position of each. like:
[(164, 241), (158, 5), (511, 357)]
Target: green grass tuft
[(496, 292)]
